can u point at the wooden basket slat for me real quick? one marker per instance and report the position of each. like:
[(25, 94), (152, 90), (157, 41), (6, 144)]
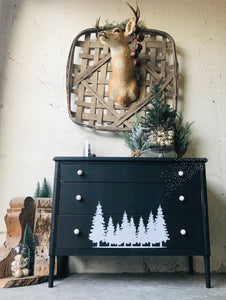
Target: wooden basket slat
[(88, 76)]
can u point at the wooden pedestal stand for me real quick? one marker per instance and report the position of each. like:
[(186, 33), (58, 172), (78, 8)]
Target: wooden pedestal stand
[(20, 213), (37, 214), (42, 232)]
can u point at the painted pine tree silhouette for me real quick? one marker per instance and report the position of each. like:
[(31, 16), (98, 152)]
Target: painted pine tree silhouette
[(97, 232), (151, 230), (127, 234), (125, 230), (132, 231), (117, 235), (141, 233), (163, 235), (110, 232)]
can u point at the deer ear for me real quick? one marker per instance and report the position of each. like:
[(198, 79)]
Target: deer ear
[(129, 26)]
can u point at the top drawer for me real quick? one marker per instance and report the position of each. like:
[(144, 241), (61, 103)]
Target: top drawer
[(135, 171), (112, 172)]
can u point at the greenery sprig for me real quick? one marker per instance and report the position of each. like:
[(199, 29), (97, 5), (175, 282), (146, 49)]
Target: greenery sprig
[(110, 25), (136, 140)]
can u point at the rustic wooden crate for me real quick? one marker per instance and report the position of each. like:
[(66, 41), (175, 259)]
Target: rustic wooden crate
[(89, 70)]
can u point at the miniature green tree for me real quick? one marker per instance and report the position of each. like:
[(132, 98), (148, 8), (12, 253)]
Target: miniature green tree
[(45, 191), (30, 243), (159, 113), (37, 191), (182, 134)]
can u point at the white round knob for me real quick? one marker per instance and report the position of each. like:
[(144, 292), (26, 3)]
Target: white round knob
[(78, 197), (181, 173), (76, 231), (183, 232), (181, 198), (79, 172)]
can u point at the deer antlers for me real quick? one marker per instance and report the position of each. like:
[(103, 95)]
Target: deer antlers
[(98, 28), (136, 14)]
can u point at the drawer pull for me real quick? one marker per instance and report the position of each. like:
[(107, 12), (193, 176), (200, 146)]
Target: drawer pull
[(183, 232), (76, 231), (181, 173), (78, 197), (79, 172), (181, 198)]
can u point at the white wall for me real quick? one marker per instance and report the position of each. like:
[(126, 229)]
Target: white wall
[(34, 123)]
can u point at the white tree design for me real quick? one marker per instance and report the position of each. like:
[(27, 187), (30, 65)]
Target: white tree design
[(132, 231), (128, 235), (110, 232), (151, 230), (97, 231), (160, 223), (125, 230), (141, 232), (117, 235)]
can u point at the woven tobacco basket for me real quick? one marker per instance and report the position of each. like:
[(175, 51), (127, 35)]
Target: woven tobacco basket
[(89, 70)]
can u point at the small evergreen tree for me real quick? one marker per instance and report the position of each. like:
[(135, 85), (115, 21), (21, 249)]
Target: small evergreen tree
[(45, 191), (158, 112), (182, 134), (30, 242), (37, 191)]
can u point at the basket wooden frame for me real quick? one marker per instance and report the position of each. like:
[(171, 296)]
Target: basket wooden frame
[(89, 70)]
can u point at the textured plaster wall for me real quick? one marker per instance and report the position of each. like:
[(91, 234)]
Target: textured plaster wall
[(35, 126)]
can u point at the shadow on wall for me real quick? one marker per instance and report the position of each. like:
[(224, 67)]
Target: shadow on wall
[(9, 13)]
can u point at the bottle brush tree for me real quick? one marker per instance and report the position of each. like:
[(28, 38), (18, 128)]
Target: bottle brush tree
[(158, 112), (182, 133), (30, 243), (37, 191)]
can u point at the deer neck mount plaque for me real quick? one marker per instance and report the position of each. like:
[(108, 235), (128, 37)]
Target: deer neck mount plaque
[(105, 84)]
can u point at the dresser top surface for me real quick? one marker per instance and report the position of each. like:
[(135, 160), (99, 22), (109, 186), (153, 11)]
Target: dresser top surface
[(128, 159)]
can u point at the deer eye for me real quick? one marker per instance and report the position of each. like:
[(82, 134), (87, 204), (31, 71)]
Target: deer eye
[(116, 30)]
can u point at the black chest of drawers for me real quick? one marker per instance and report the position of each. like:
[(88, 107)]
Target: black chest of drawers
[(129, 206)]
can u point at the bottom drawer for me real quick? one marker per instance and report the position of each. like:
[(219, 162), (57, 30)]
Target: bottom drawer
[(132, 232)]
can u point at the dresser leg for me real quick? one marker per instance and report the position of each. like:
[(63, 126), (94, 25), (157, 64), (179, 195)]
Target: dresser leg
[(207, 270), (51, 270), (190, 264)]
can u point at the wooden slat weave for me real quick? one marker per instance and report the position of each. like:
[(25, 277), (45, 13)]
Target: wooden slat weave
[(89, 70)]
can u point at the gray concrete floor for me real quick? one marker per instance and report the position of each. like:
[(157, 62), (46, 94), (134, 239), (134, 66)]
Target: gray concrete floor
[(123, 287)]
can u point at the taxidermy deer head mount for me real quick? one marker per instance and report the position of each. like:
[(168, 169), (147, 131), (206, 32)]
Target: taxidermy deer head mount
[(123, 86)]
